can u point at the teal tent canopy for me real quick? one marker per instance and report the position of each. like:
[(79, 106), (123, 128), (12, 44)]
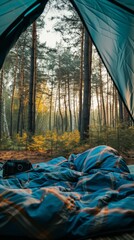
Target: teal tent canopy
[(110, 24)]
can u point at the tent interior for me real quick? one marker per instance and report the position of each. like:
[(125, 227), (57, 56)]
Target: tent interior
[(90, 194)]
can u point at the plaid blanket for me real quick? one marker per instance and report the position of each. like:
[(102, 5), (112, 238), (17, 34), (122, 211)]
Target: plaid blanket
[(86, 195)]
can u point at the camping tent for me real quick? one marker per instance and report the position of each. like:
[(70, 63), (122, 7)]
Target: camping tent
[(110, 24)]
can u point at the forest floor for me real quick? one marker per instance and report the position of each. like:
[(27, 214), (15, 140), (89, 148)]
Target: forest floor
[(37, 156), (32, 156)]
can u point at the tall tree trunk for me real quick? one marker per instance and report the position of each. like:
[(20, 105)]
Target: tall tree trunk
[(65, 104), (69, 101), (1, 104), (120, 109), (107, 102), (59, 95), (93, 115), (113, 104), (22, 104), (50, 108), (102, 94), (19, 116), (35, 74), (74, 108), (20, 122), (5, 124), (81, 78), (87, 87), (116, 110), (13, 92), (126, 116), (55, 113), (98, 104), (32, 84)]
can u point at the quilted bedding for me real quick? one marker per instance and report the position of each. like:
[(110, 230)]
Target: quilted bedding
[(89, 194)]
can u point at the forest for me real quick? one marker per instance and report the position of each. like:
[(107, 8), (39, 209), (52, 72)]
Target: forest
[(60, 99)]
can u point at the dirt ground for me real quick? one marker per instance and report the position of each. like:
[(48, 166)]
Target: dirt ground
[(36, 156), (33, 156)]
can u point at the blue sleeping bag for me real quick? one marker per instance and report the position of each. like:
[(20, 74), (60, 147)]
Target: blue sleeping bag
[(86, 195)]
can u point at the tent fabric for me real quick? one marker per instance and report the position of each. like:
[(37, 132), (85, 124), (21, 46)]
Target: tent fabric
[(15, 17), (109, 22), (128, 4), (112, 30)]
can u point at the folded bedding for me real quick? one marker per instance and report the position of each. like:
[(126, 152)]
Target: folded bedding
[(87, 195), (131, 168)]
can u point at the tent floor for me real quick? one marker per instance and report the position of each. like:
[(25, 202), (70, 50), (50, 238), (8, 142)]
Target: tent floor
[(122, 236), (35, 157)]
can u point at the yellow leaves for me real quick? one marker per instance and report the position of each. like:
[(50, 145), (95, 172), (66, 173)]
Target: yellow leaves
[(38, 143), (51, 136), (70, 137), (52, 141), (21, 140)]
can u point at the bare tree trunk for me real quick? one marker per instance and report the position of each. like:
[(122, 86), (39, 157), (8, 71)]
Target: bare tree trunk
[(50, 108), (126, 116), (69, 103), (120, 109), (102, 95), (19, 116), (20, 123), (32, 85), (93, 115), (35, 74), (55, 112), (60, 112), (74, 109), (111, 104), (59, 95), (116, 111), (22, 106), (5, 124), (13, 92), (65, 104), (1, 102), (81, 78), (87, 87), (98, 104), (107, 104), (113, 117)]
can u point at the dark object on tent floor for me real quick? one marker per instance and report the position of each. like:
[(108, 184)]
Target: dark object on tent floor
[(11, 167)]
